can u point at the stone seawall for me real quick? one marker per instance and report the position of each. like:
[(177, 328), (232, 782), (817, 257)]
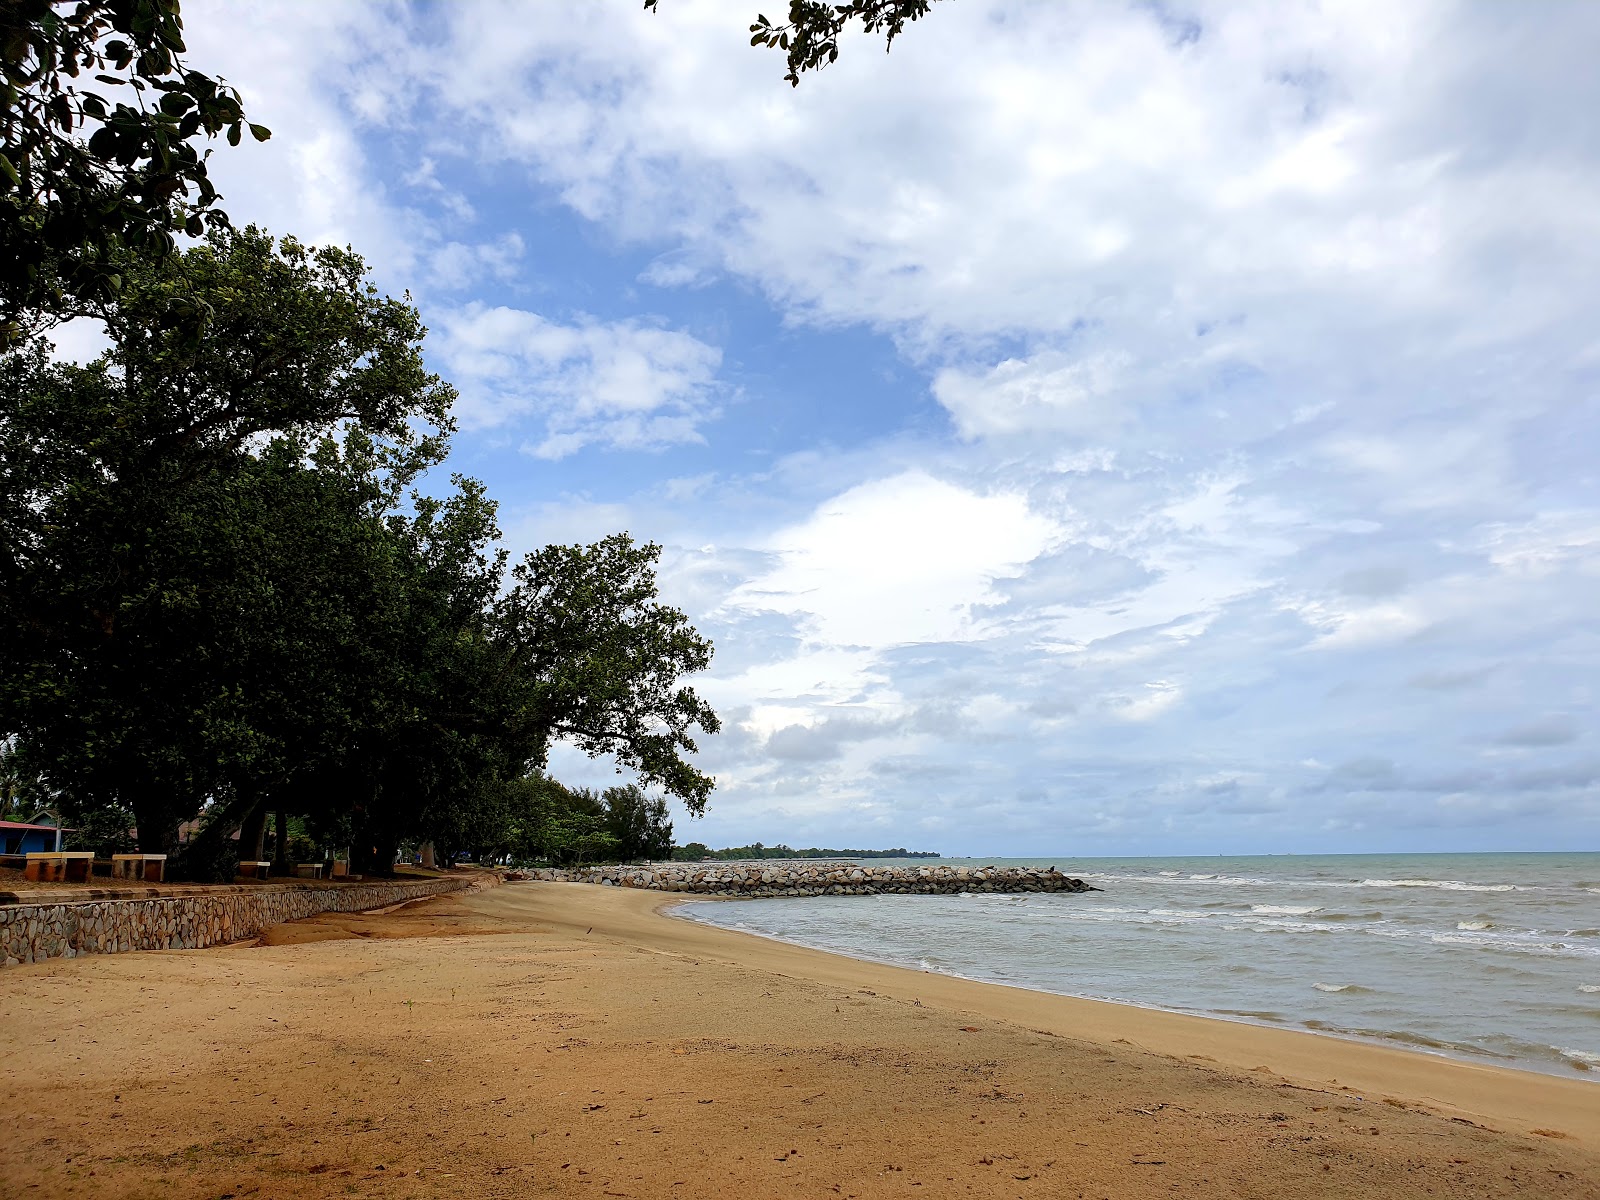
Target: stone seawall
[(801, 878), (56, 928)]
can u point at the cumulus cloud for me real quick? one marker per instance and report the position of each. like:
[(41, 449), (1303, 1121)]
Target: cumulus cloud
[(904, 559), (1259, 356), (622, 384)]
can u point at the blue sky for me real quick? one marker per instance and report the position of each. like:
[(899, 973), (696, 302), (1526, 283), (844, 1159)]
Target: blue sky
[(1096, 428)]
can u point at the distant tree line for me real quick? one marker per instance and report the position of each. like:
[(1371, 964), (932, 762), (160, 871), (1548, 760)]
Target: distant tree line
[(536, 820), (228, 588), (696, 851)]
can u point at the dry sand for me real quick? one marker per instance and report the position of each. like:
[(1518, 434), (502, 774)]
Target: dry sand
[(557, 1039)]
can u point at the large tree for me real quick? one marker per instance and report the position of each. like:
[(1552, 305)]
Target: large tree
[(596, 659), (139, 498), (220, 589)]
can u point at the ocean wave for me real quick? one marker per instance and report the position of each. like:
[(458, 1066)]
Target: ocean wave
[(1372, 915), (1514, 945), (1582, 1059), (1591, 988), (1234, 880), (1473, 926), (1255, 1014), (1341, 987), (1448, 885), (1404, 1036), (1284, 910)]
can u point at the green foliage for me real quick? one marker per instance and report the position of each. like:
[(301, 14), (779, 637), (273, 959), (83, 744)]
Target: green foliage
[(534, 819), (810, 37), (23, 792), (597, 660), (640, 824), (183, 542), (99, 118), (106, 830), (219, 586)]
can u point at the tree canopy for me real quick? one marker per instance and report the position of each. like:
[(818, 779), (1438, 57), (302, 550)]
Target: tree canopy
[(222, 588), (99, 119)]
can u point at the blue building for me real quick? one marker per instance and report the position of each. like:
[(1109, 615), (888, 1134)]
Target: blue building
[(17, 838)]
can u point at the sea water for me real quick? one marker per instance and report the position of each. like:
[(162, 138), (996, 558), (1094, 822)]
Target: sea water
[(1488, 957)]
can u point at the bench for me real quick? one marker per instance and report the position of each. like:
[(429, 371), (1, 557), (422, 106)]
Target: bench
[(59, 866), (308, 870), (255, 870), (151, 868)]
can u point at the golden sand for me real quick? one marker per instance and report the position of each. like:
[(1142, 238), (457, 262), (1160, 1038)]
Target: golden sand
[(557, 1039)]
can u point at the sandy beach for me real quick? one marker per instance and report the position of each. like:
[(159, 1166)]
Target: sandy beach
[(556, 1039)]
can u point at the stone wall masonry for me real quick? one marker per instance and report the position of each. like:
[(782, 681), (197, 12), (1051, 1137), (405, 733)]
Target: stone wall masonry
[(811, 878), (55, 928)]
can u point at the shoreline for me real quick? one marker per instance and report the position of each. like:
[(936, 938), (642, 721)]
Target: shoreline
[(1525, 1099), (565, 1039), (1572, 1075)]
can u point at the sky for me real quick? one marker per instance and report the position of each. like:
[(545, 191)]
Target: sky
[(1094, 428)]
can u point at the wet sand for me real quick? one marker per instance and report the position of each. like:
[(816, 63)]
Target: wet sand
[(557, 1039)]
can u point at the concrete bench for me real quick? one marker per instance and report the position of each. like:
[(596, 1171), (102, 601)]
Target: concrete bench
[(151, 868), (308, 870), (59, 866), (255, 870)]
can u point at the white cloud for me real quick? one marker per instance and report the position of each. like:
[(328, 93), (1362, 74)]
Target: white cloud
[(622, 384), (323, 82), (1274, 337), (1035, 167), (1055, 393), (898, 560)]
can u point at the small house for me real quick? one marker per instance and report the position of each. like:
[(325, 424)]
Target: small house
[(19, 838)]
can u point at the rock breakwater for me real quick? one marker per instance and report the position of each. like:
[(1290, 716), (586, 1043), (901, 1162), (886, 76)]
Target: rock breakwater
[(811, 878)]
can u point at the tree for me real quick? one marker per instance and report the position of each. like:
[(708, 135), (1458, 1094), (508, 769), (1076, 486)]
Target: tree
[(594, 658), (810, 38), (639, 823), (137, 494), (76, 207), (22, 792), (220, 588)]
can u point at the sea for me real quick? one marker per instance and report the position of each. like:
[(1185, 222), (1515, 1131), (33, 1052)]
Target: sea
[(1486, 957)]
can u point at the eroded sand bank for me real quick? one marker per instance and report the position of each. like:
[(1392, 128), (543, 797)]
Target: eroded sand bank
[(549, 1039)]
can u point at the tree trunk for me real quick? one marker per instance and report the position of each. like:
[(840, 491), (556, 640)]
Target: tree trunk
[(253, 834), (280, 852), (156, 818), (372, 849), (212, 855), (385, 847), (427, 856)]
